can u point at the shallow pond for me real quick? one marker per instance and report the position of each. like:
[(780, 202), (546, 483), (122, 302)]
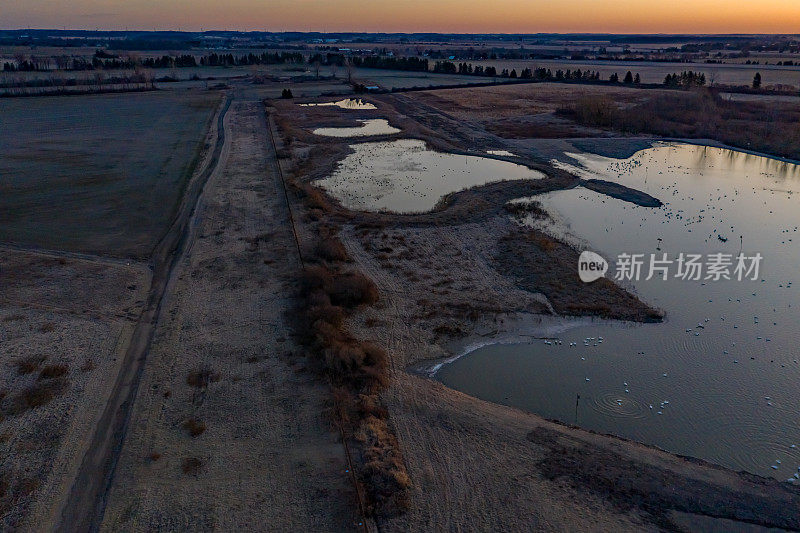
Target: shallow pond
[(374, 126), (348, 103), (720, 379), (404, 176)]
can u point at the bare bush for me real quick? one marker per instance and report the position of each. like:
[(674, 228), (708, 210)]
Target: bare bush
[(194, 427)]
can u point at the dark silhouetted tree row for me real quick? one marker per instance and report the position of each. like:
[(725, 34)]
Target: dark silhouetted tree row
[(394, 63), (685, 79), (229, 60), (170, 61)]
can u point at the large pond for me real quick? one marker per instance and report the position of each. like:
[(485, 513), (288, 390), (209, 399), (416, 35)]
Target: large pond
[(404, 176), (720, 379)]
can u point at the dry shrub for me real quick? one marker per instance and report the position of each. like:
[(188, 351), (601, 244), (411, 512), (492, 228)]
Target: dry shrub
[(47, 327), (192, 466), (53, 371), (332, 249), (194, 427), (597, 110), (315, 199), (202, 378), (352, 290), (29, 364), (384, 472), (325, 312), (154, 456), (348, 289), (39, 394), (14, 488), (357, 370)]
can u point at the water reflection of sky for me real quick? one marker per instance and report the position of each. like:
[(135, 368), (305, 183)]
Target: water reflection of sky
[(725, 360), (404, 176)]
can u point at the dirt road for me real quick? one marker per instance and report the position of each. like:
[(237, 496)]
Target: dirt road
[(85, 504), (228, 430)]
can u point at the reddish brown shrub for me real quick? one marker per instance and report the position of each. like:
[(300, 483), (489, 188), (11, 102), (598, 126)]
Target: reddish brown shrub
[(194, 427), (53, 371), (332, 249), (202, 378), (29, 364), (192, 466), (352, 290)]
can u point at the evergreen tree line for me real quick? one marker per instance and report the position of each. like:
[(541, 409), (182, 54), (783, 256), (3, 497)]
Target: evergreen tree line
[(394, 63), (685, 79), (266, 58)]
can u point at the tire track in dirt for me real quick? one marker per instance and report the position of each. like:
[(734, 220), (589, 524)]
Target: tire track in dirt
[(85, 504)]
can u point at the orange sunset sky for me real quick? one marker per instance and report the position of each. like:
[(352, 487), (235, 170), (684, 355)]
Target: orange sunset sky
[(467, 16)]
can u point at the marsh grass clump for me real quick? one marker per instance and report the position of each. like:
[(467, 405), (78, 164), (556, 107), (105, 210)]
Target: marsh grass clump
[(526, 208)]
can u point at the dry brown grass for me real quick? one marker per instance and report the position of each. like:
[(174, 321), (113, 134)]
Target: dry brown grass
[(773, 128), (545, 265)]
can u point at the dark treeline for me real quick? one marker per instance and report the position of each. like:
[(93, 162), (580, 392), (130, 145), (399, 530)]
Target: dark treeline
[(266, 58), (685, 79), (105, 61), (539, 74), (394, 63)]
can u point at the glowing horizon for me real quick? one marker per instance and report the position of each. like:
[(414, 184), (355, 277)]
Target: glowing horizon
[(409, 16)]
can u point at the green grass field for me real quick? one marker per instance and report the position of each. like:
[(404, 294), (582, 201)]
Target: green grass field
[(101, 173)]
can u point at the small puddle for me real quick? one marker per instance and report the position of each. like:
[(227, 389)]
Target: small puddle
[(374, 126), (404, 176), (348, 103)]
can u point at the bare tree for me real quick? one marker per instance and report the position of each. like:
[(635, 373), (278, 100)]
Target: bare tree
[(348, 65), (99, 77)]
